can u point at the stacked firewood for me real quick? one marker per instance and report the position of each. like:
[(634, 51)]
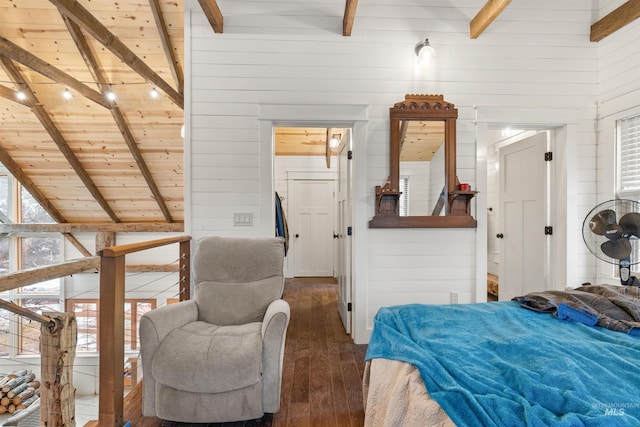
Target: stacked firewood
[(18, 390)]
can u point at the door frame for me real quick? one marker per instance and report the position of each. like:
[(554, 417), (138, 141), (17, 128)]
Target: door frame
[(564, 204), (354, 116)]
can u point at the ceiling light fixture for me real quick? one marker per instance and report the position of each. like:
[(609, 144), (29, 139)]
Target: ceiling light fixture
[(424, 52), (335, 140), (67, 94), (110, 95), (21, 96), (154, 93)]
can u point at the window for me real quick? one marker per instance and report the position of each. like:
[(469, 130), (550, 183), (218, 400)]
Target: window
[(19, 335), (629, 156), (404, 197), (628, 136), (87, 313)]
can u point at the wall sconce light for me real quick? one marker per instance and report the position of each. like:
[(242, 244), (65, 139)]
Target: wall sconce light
[(424, 52), (335, 140)]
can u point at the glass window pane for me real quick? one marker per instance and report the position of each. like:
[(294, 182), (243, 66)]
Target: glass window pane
[(6, 317), (4, 255), (32, 212), (4, 195), (87, 323), (30, 329), (38, 252)]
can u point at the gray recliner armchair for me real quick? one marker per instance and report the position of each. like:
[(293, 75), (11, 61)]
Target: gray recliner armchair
[(218, 357)]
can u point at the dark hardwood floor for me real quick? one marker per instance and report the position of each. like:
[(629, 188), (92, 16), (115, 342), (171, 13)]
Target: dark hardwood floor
[(322, 375)]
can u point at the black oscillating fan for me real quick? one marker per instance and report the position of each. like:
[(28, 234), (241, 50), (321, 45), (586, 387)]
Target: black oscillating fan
[(611, 232)]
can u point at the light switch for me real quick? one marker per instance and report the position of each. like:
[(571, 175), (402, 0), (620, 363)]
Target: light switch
[(242, 219)]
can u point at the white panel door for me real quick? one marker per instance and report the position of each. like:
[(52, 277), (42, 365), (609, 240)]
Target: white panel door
[(523, 217), (343, 267), (313, 228)]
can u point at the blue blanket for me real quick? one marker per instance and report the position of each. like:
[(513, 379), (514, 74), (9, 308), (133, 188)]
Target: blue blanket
[(497, 364)]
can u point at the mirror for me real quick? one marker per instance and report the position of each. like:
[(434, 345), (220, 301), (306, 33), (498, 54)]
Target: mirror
[(423, 189)]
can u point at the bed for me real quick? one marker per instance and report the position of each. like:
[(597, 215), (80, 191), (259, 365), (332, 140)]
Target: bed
[(501, 364)]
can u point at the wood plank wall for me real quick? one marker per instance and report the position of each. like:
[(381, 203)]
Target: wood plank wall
[(537, 55)]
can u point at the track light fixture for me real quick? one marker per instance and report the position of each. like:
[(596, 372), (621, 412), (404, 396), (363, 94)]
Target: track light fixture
[(424, 52)]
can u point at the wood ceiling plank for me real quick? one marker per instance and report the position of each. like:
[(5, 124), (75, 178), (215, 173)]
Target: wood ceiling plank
[(100, 78), (486, 16), (213, 14), (57, 137), (349, 16), (623, 15), (89, 23), (11, 50), (174, 64)]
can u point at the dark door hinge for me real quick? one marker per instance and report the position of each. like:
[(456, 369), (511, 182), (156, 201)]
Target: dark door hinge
[(349, 307), (548, 230), (349, 231), (349, 154), (548, 156)]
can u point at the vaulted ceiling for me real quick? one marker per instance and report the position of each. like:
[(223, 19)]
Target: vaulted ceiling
[(90, 159)]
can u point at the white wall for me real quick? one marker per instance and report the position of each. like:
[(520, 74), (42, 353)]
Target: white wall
[(618, 97), (282, 53)]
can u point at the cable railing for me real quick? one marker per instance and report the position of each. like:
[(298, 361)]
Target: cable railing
[(61, 328), (111, 341)]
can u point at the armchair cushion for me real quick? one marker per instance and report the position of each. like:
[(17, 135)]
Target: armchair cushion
[(217, 302), (196, 358)]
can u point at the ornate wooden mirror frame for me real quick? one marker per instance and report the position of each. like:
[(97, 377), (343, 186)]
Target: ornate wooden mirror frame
[(456, 204)]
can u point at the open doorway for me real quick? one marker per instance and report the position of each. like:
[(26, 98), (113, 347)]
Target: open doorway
[(312, 179), (518, 211)]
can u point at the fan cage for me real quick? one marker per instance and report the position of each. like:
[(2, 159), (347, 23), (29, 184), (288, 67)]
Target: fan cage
[(594, 241)]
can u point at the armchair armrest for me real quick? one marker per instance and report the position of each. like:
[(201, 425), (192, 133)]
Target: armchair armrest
[(155, 325), (274, 330)]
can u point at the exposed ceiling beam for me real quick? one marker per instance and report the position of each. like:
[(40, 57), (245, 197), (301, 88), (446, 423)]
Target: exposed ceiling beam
[(486, 16), (28, 184), (101, 79), (18, 54), (213, 14), (12, 95), (89, 23), (56, 136), (174, 63), (123, 227), (349, 16), (623, 15)]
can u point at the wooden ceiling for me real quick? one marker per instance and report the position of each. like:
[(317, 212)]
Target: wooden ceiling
[(92, 160), (88, 159)]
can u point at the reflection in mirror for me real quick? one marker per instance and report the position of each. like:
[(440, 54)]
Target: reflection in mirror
[(421, 167)]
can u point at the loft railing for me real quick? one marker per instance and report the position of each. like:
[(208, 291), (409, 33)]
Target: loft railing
[(111, 341), (57, 340), (111, 263)]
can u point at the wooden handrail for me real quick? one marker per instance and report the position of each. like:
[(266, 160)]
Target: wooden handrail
[(116, 251), (41, 274)]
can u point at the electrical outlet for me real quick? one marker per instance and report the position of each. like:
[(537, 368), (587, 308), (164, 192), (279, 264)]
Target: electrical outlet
[(454, 297)]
